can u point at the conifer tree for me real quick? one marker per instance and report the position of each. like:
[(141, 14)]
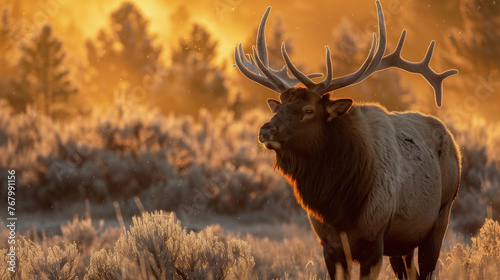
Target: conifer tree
[(194, 80), (474, 50), (349, 48), (475, 47), (121, 57), (43, 78), (7, 52), (6, 44)]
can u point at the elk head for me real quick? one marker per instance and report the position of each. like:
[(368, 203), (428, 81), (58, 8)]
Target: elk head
[(303, 111)]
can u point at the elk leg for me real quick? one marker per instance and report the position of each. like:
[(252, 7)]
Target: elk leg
[(428, 251), (404, 265), (334, 255), (371, 262)]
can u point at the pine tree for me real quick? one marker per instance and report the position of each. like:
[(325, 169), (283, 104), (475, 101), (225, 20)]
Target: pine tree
[(6, 43), (43, 79), (199, 44), (474, 50), (194, 80), (7, 52), (349, 49), (476, 46), (122, 57)]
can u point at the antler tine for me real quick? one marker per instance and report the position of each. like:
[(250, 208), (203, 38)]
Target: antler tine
[(380, 62), (299, 75), (267, 72), (323, 85), (248, 63), (351, 79), (382, 43), (252, 75), (423, 68), (261, 39), (257, 68)]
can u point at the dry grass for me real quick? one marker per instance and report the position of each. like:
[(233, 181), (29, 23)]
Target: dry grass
[(156, 246)]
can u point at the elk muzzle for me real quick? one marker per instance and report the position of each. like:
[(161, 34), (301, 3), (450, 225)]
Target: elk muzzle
[(268, 136)]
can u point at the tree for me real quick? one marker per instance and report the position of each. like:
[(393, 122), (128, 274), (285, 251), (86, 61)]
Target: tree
[(7, 52), (121, 58), (6, 44), (43, 79), (194, 80), (474, 49), (349, 49)]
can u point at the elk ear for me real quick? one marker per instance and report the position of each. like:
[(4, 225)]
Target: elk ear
[(272, 103), (338, 107)]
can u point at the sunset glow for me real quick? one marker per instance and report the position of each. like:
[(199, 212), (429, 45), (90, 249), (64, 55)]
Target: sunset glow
[(134, 146)]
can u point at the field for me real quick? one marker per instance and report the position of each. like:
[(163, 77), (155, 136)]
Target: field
[(156, 246), (129, 142), (210, 172)]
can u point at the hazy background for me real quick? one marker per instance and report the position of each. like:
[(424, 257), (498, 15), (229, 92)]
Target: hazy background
[(465, 32), (111, 108)]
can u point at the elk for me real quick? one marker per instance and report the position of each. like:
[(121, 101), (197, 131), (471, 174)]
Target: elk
[(372, 182)]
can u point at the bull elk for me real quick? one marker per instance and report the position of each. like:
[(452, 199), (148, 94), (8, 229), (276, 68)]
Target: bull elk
[(373, 182)]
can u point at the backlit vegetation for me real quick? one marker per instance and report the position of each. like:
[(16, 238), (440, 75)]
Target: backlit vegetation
[(156, 246), (139, 124)]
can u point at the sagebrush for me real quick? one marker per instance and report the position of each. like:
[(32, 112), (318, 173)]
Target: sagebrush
[(156, 246), (187, 165)]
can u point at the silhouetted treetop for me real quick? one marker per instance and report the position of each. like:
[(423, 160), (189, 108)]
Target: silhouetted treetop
[(194, 80), (476, 46), (43, 78), (199, 43), (122, 56)]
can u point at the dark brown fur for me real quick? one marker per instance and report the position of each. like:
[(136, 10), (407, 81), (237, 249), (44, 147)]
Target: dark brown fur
[(385, 200), (336, 159)]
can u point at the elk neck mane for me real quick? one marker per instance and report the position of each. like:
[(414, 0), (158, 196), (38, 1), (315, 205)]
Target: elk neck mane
[(333, 180)]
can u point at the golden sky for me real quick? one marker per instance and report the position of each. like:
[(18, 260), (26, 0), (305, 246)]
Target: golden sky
[(308, 23)]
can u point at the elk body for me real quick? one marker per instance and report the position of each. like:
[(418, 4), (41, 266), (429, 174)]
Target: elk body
[(373, 183)]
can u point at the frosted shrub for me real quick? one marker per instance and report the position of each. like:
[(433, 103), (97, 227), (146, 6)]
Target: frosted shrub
[(299, 257), (481, 260), (480, 181), (32, 262), (457, 263), (157, 247), (24, 252), (80, 231), (107, 238), (485, 252), (4, 272), (165, 160), (104, 266), (58, 264)]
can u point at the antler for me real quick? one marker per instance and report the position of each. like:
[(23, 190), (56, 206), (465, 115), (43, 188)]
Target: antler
[(279, 81), (395, 60), (257, 68)]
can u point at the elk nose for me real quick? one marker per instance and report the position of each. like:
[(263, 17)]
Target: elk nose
[(268, 128)]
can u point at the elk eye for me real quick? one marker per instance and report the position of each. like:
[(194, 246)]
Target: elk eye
[(309, 112)]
